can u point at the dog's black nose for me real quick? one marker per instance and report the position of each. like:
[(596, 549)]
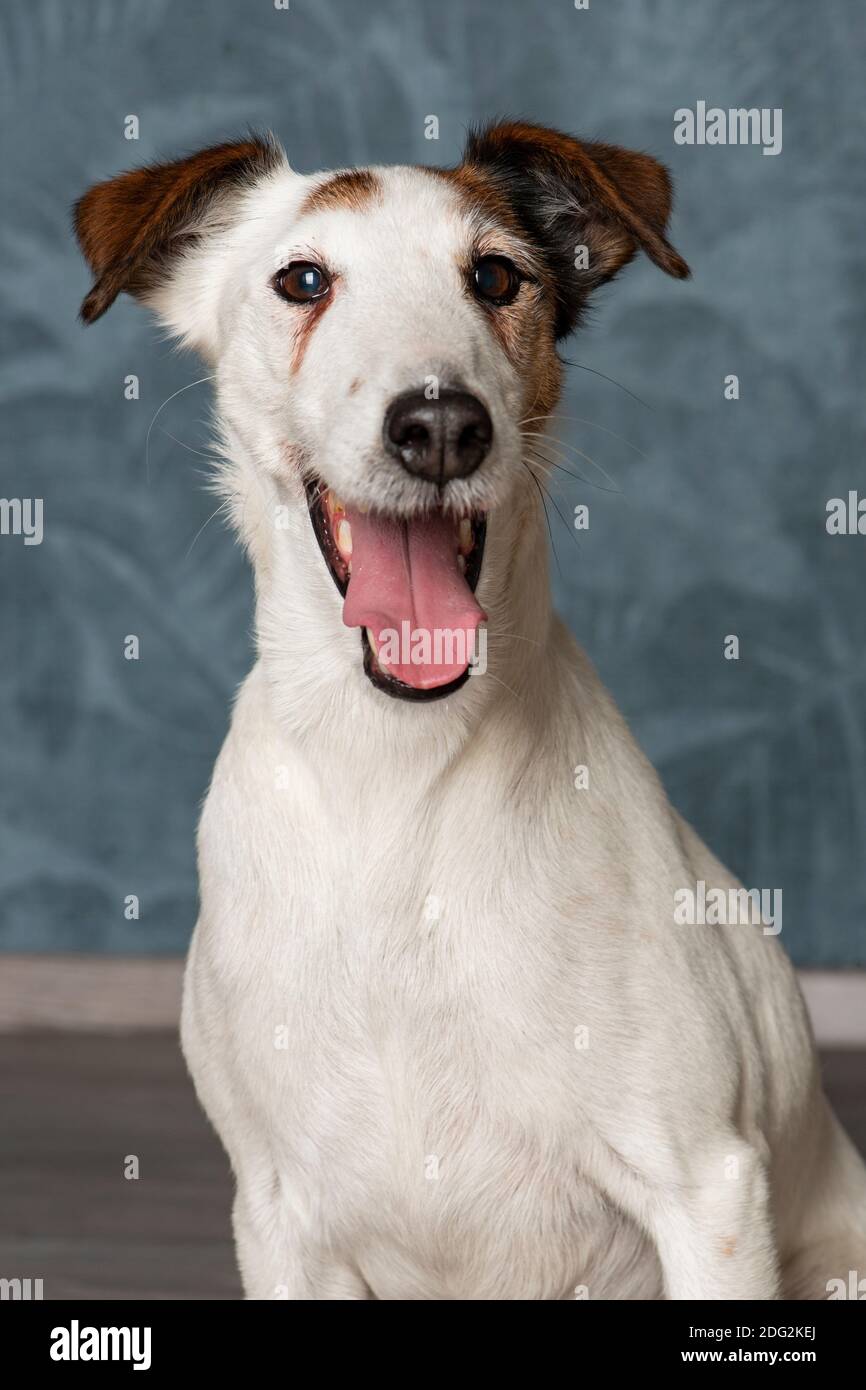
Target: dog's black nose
[(438, 439)]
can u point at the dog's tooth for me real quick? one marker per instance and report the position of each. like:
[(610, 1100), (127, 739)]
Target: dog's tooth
[(461, 563), (465, 535), (334, 502), (371, 639), (344, 538)]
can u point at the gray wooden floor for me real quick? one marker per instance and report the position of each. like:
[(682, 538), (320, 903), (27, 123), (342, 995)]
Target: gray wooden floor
[(73, 1106)]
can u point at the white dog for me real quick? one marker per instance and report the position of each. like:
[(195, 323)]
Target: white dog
[(438, 1005)]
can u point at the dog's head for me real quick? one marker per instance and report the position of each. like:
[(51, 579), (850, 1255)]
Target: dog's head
[(383, 340)]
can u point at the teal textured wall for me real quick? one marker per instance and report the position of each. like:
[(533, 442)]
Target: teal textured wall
[(718, 524)]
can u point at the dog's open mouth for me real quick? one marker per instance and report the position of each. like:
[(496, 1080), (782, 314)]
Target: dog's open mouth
[(409, 585)]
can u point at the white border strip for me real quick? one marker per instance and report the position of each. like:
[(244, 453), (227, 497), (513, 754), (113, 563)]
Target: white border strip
[(125, 994)]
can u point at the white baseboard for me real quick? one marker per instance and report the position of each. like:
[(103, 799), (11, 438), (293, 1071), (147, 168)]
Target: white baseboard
[(837, 1004), (90, 993), (125, 994)]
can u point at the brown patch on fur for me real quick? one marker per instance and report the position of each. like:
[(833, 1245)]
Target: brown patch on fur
[(543, 378), (353, 189), (632, 188), (129, 226), (310, 315), (562, 192), (355, 386), (524, 331), (532, 347), (479, 193)]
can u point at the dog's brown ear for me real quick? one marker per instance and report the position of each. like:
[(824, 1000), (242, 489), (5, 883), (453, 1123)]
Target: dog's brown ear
[(130, 226), (568, 194)]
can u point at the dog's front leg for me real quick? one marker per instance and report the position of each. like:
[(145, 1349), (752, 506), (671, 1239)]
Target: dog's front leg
[(277, 1262), (713, 1229)]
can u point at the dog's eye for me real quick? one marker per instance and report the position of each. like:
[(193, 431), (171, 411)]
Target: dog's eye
[(302, 282), (495, 279)]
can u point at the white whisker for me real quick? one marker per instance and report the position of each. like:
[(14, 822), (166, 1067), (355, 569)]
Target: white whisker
[(582, 420), (159, 411)]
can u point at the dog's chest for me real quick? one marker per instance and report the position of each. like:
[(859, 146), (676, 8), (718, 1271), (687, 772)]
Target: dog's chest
[(433, 1118), (416, 1004), (410, 1049), (389, 1019)]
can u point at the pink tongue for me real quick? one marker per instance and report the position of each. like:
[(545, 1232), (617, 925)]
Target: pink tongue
[(406, 588)]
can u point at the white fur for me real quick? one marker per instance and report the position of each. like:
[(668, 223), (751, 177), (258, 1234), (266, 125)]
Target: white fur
[(419, 904)]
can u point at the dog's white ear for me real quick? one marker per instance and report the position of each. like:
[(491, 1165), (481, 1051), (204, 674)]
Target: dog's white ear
[(568, 194), (136, 230)]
